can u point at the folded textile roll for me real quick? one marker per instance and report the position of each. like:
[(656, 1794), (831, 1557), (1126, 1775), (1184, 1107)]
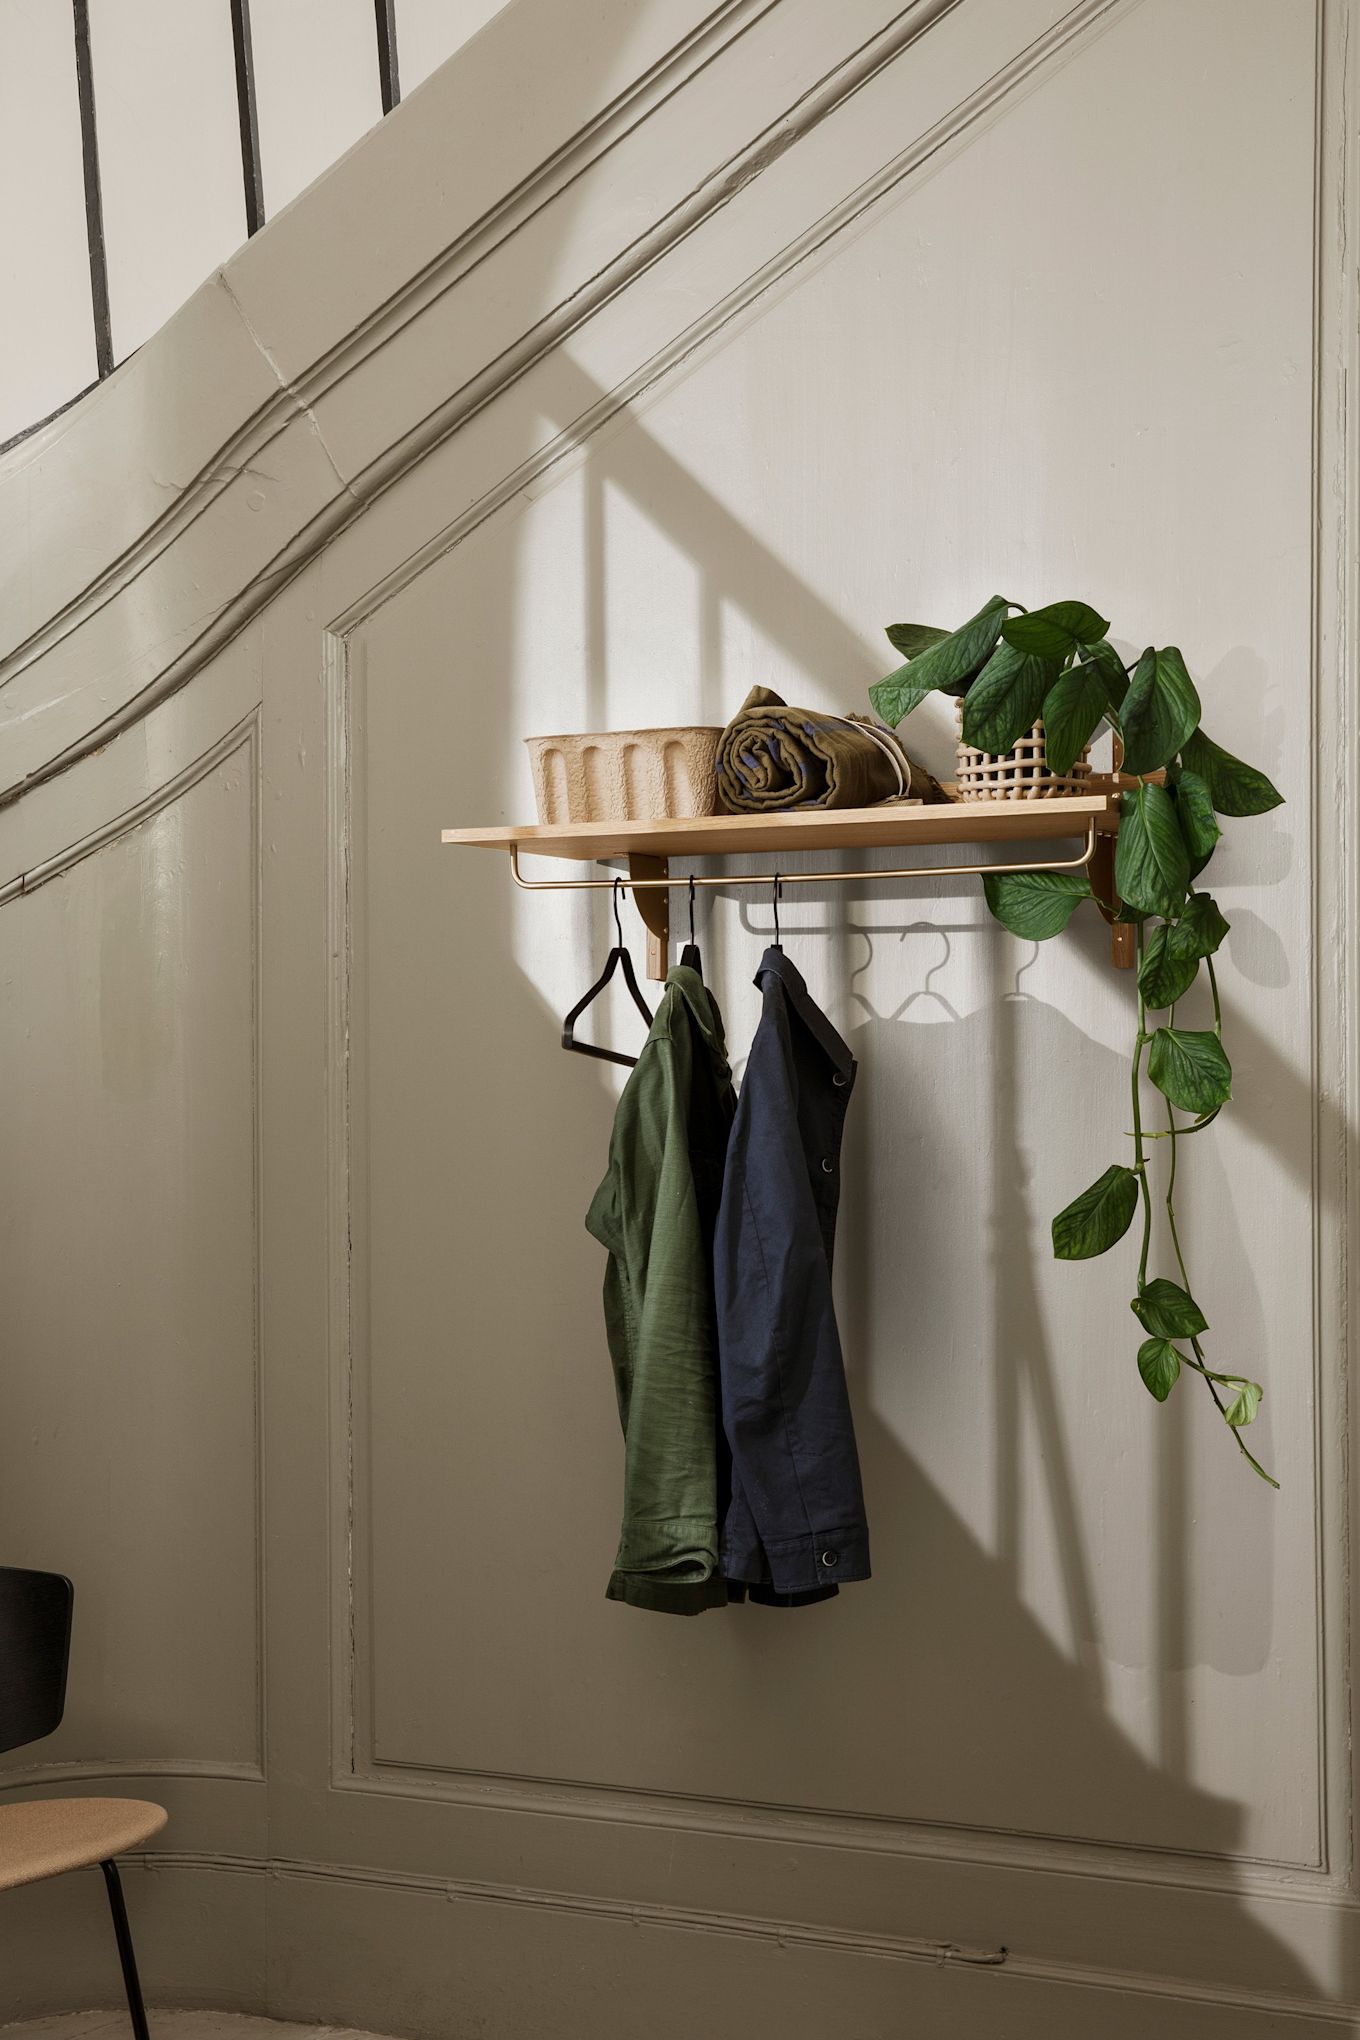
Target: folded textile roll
[(774, 756)]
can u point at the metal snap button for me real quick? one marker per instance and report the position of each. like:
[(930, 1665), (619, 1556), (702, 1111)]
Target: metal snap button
[(830, 1557), (839, 1081), (828, 1168)]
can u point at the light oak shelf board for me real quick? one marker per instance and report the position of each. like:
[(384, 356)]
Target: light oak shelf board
[(1093, 819), (872, 828)]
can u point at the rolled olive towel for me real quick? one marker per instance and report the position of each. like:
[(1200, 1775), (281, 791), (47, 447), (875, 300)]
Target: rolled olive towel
[(773, 756)]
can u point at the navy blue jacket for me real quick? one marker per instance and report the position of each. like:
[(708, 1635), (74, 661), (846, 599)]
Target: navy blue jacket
[(795, 1526)]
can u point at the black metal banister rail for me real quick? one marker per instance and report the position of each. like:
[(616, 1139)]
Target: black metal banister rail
[(94, 197), (251, 176), (389, 76), (252, 172)]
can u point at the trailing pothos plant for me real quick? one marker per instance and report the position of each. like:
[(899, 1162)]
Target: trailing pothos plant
[(1012, 666)]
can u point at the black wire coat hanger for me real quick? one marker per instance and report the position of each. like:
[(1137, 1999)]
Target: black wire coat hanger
[(690, 953), (618, 957), (776, 888)]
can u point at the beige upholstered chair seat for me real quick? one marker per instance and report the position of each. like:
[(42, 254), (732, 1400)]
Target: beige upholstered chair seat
[(42, 1837)]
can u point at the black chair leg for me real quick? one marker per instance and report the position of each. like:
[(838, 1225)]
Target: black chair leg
[(123, 1935)]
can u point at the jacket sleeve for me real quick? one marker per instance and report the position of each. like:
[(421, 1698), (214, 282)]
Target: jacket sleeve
[(668, 1546), (801, 1526)]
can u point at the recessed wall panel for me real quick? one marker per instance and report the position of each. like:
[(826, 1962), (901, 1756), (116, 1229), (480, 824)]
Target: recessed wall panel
[(1080, 1601), (128, 1233)]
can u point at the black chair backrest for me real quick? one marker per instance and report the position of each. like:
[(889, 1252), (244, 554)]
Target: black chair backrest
[(35, 1643)]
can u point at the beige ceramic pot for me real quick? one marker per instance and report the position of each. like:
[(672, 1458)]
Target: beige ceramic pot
[(625, 775)]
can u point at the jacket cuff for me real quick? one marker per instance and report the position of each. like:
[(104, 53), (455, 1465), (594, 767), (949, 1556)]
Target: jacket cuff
[(815, 1562), (667, 1597)]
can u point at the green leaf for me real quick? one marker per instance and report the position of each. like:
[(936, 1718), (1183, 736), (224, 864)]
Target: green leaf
[(1167, 1311), (1035, 904), (1200, 929), (896, 695), (1241, 1411), (911, 639), (1198, 822), (1235, 787), (1159, 1364), (1056, 630), (1151, 866), (936, 659), (1073, 711), (1191, 1069), (1163, 977), (1005, 699), (1160, 710), (955, 659), (1093, 1222), (1110, 668)]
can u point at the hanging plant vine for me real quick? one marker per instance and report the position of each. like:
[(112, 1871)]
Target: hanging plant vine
[(1013, 666)]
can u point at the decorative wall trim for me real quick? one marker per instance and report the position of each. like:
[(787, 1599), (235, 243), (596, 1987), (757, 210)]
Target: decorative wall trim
[(132, 1767), (246, 732), (1334, 881), (865, 1833), (729, 19), (340, 1216), (778, 1933), (294, 399), (352, 495), (243, 736), (1066, 34), (355, 1765)]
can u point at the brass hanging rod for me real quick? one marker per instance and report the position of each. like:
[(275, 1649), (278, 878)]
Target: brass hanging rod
[(649, 878), (664, 882)]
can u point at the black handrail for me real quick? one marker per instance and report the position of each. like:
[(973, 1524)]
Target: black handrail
[(252, 176)]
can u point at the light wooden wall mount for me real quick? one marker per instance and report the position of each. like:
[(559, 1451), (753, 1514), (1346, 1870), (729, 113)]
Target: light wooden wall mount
[(648, 847)]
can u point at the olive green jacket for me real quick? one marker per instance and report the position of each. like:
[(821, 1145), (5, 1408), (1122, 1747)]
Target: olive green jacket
[(655, 1212)]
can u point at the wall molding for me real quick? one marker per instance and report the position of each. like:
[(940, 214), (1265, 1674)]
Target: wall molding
[(888, 1835), (355, 1765), (243, 736), (81, 1771), (770, 1933), (244, 733), (1335, 899), (352, 494), (294, 396), (1085, 17)]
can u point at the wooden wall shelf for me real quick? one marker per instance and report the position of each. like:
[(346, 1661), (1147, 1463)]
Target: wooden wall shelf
[(1092, 819)]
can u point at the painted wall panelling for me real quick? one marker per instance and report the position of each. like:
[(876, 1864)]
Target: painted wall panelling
[(91, 553), (525, 1794), (166, 80), (641, 509)]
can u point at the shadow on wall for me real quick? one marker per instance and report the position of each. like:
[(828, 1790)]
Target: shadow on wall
[(942, 1652), (937, 1667)]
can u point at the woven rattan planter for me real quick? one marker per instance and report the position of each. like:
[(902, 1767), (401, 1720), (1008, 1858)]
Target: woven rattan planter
[(625, 775), (1019, 774)]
